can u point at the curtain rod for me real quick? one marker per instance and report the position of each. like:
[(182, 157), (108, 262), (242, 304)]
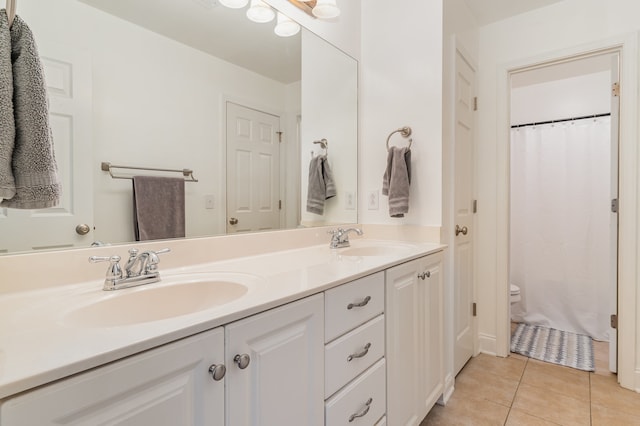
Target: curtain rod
[(606, 114)]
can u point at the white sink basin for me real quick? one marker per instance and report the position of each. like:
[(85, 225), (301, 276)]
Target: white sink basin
[(375, 249), (175, 296)]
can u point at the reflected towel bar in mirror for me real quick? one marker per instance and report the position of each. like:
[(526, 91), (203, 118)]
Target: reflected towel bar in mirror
[(108, 167)]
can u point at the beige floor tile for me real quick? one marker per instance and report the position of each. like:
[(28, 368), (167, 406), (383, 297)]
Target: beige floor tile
[(520, 418), (480, 384), (551, 406), (467, 411), (609, 417), (566, 381), (606, 392), (601, 358), (518, 356), (509, 368)]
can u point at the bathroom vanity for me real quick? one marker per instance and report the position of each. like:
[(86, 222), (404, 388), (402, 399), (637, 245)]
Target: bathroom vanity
[(321, 336)]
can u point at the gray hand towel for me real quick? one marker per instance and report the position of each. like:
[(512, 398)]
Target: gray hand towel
[(396, 180), (321, 184), (158, 207), (33, 160), (7, 123)]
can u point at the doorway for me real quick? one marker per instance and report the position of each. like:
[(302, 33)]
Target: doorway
[(563, 180)]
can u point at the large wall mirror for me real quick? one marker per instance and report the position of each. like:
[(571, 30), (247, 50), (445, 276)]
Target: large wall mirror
[(172, 85)]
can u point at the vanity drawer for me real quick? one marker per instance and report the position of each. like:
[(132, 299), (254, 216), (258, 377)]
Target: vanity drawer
[(352, 304), (341, 360), (365, 396)]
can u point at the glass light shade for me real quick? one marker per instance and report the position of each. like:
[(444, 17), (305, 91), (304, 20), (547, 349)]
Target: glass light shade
[(326, 9), (260, 12), (285, 26), (234, 4)]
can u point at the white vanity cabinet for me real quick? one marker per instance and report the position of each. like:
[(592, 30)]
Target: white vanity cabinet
[(355, 382), (275, 366), (170, 385), (414, 311)]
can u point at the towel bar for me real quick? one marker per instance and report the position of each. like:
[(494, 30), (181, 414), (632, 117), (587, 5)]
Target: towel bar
[(404, 131), (107, 167), (10, 8)]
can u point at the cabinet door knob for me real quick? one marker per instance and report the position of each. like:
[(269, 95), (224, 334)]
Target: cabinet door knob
[(462, 230), (242, 360), (360, 354), (425, 274), (359, 304), (217, 371), (363, 412)]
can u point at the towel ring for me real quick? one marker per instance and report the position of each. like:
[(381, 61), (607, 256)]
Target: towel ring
[(404, 131), (324, 145)]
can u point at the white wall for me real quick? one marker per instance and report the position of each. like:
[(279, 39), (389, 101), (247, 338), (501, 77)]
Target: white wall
[(177, 109), (562, 29), (401, 85)]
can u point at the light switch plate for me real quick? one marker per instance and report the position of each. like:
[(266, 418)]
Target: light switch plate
[(209, 201)]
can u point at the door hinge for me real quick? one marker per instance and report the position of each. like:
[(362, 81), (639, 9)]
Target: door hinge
[(279, 137), (280, 204), (475, 206), (615, 89), (475, 103), (614, 205), (614, 321), (474, 310)]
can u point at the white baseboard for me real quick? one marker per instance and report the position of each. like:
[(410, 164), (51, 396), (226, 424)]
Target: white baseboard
[(637, 381), (487, 344), (449, 387)]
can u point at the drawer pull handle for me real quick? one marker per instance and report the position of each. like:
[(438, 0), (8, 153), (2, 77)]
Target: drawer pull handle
[(363, 412), (242, 360), (217, 371), (425, 274), (360, 354), (359, 304)]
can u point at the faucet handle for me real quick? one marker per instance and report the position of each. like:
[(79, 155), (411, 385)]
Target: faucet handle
[(114, 271), (152, 262)]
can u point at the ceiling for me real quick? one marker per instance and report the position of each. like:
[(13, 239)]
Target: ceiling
[(488, 11), (214, 29)]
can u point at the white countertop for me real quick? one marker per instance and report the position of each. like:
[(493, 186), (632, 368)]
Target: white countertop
[(39, 344)]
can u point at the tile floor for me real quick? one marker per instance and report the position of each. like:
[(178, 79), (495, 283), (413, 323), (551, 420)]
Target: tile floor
[(520, 391)]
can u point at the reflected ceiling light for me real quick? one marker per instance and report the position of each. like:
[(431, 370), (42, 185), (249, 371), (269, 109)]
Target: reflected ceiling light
[(234, 4), (326, 9), (260, 12), (285, 26)]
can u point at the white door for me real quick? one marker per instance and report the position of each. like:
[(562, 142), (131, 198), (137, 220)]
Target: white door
[(275, 366), (68, 77), (167, 386), (463, 213), (613, 235), (253, 170)]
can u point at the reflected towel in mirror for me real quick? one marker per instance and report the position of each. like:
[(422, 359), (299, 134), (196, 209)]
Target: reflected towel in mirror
[(396, 180), (321, 184), (158, 207)]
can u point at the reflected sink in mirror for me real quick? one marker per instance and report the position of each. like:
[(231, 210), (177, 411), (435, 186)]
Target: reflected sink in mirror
[(375, 248), (176, 296)]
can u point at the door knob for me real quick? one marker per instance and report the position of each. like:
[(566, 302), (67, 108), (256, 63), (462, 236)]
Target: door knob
[(462, 230), (217, 371), (242, 360), (82, 229), (233, 221)]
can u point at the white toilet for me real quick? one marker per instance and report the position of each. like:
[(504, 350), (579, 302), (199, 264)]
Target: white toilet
[(516, 309)]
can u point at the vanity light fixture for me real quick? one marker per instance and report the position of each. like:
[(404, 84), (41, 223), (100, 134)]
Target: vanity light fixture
[(234, 4), (285, 26), (260, 12)]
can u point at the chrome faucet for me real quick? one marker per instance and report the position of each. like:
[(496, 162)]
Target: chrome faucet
[(340, 237), (140, 269)]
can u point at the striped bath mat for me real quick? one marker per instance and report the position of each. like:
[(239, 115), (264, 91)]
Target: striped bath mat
[(555, 346)]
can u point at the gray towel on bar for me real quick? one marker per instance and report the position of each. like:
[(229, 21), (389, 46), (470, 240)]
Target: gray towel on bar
[(33, 163), (321, 184), (396, 180), (7, 123), (158, 207)]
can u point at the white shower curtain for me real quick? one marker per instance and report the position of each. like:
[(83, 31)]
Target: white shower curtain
[(560, 198)]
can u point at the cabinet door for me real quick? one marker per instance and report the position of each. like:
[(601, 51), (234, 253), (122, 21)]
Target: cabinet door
[(404, 343), (283, 382), (433, 350), (170, 385)]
